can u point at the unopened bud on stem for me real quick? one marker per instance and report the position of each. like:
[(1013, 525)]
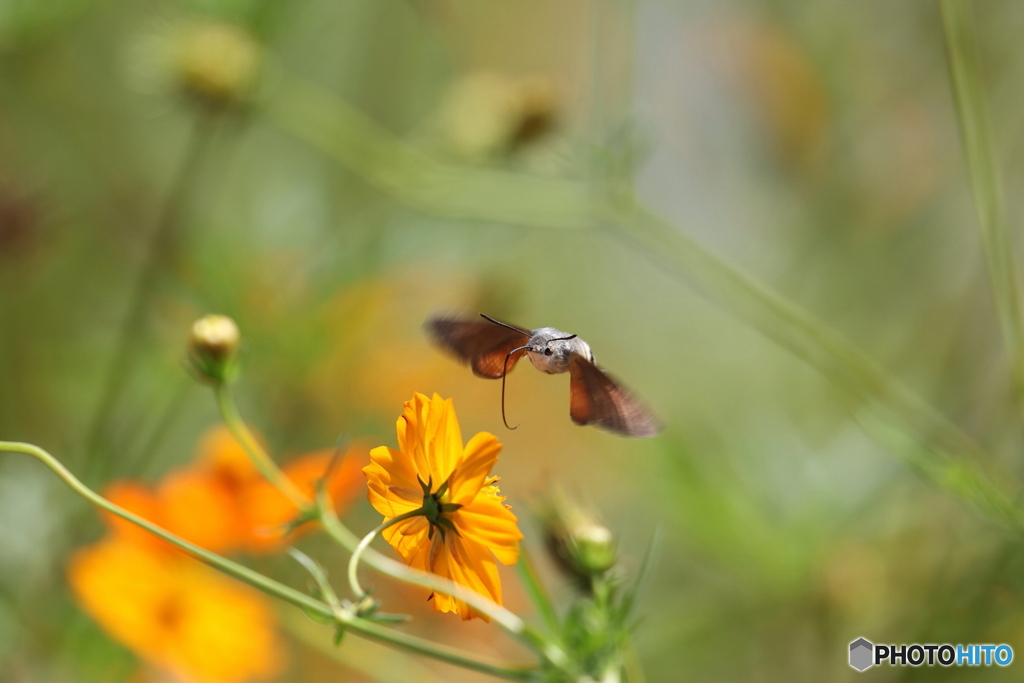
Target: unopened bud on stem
[(212, 345), (581, 544), (218, 64), (592, 548)]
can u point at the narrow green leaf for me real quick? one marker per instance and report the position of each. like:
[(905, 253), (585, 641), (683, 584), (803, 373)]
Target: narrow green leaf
[(634, 594), (535, 589), (986, 182)]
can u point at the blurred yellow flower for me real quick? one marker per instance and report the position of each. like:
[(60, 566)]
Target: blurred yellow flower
[(176, 613), (465, 524)]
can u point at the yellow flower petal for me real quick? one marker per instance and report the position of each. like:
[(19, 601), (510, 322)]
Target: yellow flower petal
[(477, 460), (488, 522), (445, 439), (471, 566), (393, 488), (406, 538)]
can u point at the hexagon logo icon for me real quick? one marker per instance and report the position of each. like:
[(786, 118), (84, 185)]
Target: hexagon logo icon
[(861, 654)]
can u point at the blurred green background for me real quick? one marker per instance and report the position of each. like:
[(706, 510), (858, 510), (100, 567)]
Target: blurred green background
[(813, 145)]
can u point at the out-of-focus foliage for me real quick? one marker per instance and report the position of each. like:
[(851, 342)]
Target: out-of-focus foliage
[(814, 145)]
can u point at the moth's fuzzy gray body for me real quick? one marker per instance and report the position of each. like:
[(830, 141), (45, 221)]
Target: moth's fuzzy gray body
[(551, 352)]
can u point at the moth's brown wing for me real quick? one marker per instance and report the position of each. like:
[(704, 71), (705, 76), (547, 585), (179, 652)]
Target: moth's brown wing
[(483, 345), (594, 398)]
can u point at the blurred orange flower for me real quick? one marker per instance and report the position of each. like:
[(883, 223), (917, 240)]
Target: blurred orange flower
[(222, 503), (268, 512), (170, 609), (220, 456), (465, 524), (175, 612)]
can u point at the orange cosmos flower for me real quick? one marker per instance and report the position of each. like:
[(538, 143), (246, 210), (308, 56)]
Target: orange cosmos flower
[(222, 503), (176, 613), (464, 525)]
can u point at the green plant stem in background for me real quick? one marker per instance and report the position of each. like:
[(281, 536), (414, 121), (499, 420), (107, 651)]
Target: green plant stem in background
[(164, 422), (130, 333), (316, 116), (374, 663), (986, 184), (928, 440), (275, 588), (267, 467)]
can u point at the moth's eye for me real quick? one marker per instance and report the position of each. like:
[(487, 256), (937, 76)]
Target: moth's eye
[(548, 352)]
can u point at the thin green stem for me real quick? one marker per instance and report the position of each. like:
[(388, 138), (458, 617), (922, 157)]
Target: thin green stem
[(240, 572), (304, 630), (440, 652), (986, 183), (263, 583), (146, 279), (375, 662), (164, 422), (267, 467), (353, 563)]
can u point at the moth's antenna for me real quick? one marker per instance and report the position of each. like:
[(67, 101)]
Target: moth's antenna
[(504, 374), (571, 336), (498, 322)]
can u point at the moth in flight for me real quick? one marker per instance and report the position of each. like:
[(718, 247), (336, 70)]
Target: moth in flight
[(492, 349)]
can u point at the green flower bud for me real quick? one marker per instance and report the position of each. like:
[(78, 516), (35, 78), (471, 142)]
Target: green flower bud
[(582, 546), (592, 549), (212, 345)]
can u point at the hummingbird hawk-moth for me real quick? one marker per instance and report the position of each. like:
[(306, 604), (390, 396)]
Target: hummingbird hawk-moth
[(492, 348)]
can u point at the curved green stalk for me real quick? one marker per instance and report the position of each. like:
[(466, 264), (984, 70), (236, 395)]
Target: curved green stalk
[(267, 467), (353, 563), (986, 182), (271, 587)]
